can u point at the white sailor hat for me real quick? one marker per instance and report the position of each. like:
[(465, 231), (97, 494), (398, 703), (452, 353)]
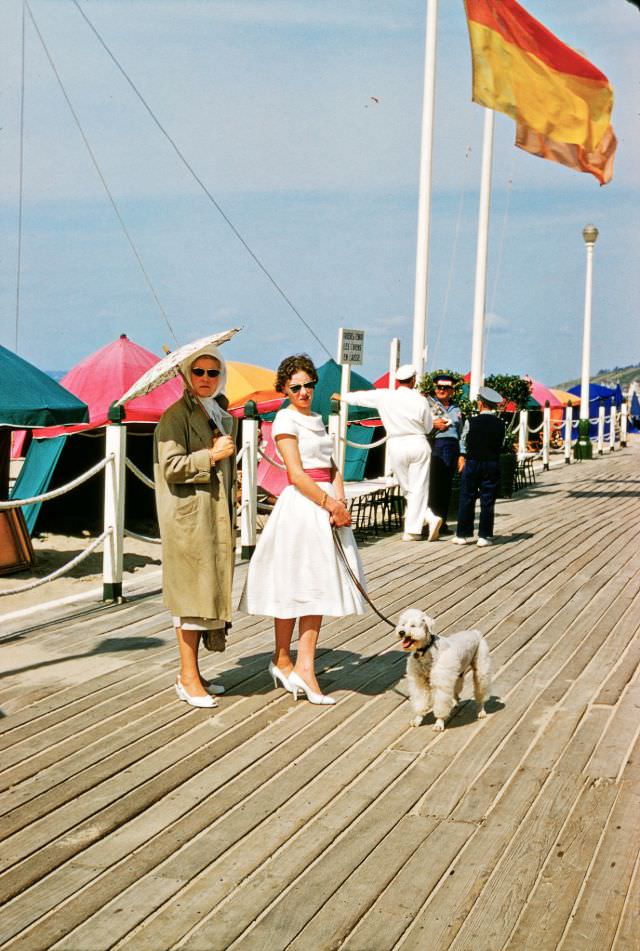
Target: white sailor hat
[(489, 396), (405, 372)]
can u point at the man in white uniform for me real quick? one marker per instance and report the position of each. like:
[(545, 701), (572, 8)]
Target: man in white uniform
[(406, 416)]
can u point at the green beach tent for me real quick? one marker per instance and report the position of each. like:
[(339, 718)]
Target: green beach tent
[(30, 399)]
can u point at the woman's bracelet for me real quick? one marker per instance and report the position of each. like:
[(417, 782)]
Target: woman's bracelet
[(323, 500)]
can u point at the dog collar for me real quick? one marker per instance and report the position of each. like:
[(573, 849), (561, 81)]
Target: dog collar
[(423, 650)]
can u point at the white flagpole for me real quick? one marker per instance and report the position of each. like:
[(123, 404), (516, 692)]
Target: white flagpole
[(419, 349), (477, 344)]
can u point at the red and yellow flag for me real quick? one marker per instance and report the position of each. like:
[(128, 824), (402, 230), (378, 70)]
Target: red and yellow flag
[(560, 101)]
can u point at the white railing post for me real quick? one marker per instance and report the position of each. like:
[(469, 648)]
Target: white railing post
[(249, 494), (612, 426), (568, 429), (394, 363), (601, 428), (345, 383), (114, 490), (333, 429), (546, 435), (624, 419), (522, 433)]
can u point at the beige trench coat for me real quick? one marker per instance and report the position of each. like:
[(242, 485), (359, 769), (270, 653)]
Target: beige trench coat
[(196, 513)]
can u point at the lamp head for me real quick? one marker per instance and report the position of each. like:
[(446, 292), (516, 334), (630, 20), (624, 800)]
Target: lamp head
[(590, 234)]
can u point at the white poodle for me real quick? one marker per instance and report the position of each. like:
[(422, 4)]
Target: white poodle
[(437, 665)]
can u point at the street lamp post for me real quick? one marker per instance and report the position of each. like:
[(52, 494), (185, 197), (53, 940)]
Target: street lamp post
[(583, 449)]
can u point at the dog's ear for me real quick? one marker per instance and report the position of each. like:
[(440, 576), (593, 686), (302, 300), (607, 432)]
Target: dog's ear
[(430, 622)]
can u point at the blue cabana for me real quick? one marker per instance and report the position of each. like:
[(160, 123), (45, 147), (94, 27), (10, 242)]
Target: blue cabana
[(597, 393)]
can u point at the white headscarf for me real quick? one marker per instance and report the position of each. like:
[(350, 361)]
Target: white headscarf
[(222, 419)]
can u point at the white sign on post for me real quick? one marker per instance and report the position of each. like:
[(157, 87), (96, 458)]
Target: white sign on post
[(350, 346)]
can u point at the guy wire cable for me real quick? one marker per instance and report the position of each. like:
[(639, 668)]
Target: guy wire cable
[(102, 178), (199, 181)]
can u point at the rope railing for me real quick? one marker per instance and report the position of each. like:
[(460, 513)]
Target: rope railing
[(63, 570), (139, 474), (358, 445), (61, 490), (142, 538), (272, 462)]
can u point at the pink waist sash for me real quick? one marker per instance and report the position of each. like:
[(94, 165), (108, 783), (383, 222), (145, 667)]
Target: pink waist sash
[(318, 475)]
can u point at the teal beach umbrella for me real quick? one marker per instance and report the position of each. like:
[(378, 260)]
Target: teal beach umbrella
[(29, 398)]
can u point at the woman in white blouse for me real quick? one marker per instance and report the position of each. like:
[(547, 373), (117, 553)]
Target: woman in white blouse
[(296, 572)]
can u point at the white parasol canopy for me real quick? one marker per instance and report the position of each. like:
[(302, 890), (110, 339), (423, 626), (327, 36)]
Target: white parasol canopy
[(169, 366)]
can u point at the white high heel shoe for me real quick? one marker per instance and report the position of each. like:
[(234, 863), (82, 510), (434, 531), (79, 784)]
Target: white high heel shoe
[(193, 701), (279, 677), (298, 684)]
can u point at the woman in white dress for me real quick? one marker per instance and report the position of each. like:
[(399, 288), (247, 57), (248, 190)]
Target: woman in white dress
[(296, 572)]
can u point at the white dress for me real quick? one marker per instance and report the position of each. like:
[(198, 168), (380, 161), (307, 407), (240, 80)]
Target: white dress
[(296, 569)]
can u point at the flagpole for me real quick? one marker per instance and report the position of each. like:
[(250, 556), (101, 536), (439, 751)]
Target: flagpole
[(480, 298), (419, 349)]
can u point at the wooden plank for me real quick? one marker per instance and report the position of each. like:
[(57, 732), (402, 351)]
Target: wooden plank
[(546, 716), (547, 909), (626, 938), (417, 851), (493, 916), (528, 808), (176, 840), (163, 830), (625, 671), (594, 921), (610, 756), (317, 882), (401, 906), (256, 834)]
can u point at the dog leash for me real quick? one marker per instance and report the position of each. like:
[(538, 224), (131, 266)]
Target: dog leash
[(354, 577)]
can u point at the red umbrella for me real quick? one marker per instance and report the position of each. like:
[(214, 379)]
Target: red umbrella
[(104, 376)]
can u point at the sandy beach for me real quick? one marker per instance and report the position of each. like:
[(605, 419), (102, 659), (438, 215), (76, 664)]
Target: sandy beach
[(142, 565)]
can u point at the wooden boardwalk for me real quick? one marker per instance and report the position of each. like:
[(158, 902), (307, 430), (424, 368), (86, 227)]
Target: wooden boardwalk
[(130, 820)]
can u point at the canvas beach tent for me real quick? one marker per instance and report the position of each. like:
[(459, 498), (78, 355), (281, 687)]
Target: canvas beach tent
[(59, 454), (29, 398), (597, 393)]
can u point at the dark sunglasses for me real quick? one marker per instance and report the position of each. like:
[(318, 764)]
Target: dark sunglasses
[(445, 387), (296, 387), (200, 371)]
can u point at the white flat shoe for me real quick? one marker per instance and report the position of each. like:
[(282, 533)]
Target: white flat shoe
[(298, 684), (461, 540), (433, 522), (279, 677), (194, 701), (409, 537)]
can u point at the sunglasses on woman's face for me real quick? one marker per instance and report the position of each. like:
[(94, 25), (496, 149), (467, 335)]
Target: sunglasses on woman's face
[(200, 371), (296, 387)]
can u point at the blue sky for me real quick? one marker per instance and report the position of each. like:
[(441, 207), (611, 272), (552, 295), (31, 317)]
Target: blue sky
[(270, 100)]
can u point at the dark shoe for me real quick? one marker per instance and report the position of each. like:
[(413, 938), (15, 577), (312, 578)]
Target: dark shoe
[(445, 530)]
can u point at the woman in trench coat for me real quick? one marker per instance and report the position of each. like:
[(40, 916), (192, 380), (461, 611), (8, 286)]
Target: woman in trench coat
[(195, 474)]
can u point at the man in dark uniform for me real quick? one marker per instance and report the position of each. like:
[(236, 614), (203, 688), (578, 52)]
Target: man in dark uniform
[(445, 449), (480, 447)]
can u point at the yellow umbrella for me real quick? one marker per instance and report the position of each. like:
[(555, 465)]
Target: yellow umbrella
[(244, 379), (564, 397)]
